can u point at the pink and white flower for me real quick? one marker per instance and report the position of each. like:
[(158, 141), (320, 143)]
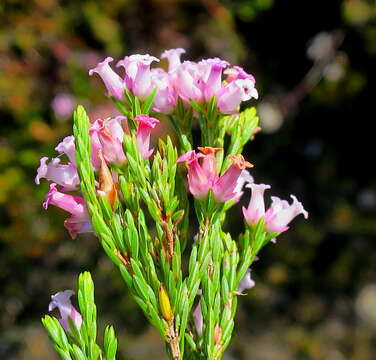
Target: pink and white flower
[(166, 96), (111, 79), (201, 177), (107, 135), (137, 74), (244, 178), (204, 176), (212, 76), (256, 206), (246, 282), (173, 56), (280, 214), (63, 174), (79, 221), (231, 95), (147, 124), (68, 148), (61, 300), (187, 81)]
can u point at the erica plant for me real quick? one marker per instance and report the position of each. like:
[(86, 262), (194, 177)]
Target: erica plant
[(135, 198)]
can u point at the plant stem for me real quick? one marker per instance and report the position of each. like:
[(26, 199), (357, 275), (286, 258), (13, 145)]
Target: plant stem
[(174, 343)]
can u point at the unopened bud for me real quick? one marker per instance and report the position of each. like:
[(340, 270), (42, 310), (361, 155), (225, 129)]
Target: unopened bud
[(217, 334), (164, 303)]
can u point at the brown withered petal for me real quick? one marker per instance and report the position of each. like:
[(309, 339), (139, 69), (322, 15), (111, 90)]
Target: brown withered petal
[(107, 186), (209, 150), (240, 162)]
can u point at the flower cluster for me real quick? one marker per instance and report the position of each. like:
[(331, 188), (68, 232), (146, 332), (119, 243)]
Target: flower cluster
[(107, 148), (106, 178), (187, 80)]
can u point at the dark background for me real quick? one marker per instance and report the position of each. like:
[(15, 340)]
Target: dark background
[(315, 294)]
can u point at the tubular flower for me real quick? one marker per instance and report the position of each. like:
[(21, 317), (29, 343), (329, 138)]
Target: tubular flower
[(68, 148), (201, 177), (246, 282), (137, 74), (166, 96), (173, 56), (79, 221), (212, 82), (63, 174), (61, 300), (198, 181), (280, 213), (256, 207), (107, 135), (111, 79), (209, 163), (224, 188), (244, 178), (147, 124), (187, 81), (231, 95)]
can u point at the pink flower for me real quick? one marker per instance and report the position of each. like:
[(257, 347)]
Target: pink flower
[(107, 135), (63, 174), (224, 188), (173, 56), (68, 148), (79, 221), (256, 207), (201, 177), (236, 73), (231, 95), (212, 76), (209, 162), (187, 81), (116, 126), (204, 176), (62, 301), (166, 96), (244, 178), (111, 79), (137, 74), (246, 282), (147, 124), (280, 213)]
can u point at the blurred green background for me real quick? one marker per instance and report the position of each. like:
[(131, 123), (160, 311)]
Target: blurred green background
[(315, 294)]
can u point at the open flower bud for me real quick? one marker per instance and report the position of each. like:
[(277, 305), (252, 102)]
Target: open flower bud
[(61, 300)]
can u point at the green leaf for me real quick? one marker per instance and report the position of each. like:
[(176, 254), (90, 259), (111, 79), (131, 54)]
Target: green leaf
[(149, 101), (77, 353), (196, 106), (110, 343)]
